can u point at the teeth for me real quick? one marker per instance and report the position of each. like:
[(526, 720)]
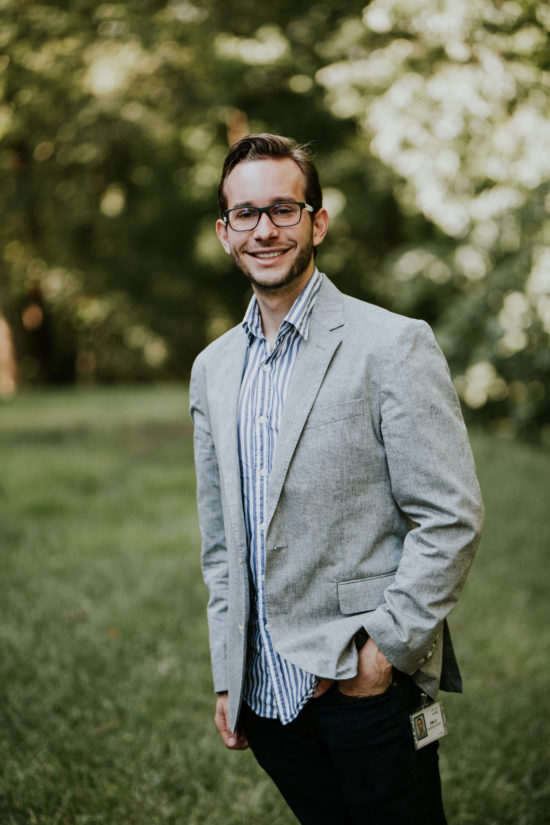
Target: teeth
[(266, 254)]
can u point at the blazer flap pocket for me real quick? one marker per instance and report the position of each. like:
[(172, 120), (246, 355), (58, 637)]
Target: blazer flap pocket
[(335, 412), (362, 595)]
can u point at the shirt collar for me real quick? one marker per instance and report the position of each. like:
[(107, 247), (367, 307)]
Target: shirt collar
[(298, 315)]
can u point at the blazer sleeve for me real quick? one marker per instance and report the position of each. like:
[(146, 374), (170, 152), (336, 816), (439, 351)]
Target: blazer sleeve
[(434, 483), (209, 503)]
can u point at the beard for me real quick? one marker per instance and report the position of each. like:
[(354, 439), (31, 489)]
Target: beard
[(295, 271)]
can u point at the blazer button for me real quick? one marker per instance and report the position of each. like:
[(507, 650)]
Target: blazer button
[(241, 627)]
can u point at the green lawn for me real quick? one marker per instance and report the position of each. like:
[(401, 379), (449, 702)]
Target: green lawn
[(105, 695)]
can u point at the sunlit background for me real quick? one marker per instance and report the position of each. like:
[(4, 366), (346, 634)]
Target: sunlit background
[(429, 122)]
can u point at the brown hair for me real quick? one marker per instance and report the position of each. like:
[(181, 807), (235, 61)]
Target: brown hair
[(267, 147)]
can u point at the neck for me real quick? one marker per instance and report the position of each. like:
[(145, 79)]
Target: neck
[(274, 304)]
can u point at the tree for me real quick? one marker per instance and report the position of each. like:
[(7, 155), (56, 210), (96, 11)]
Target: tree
[(453, 98), (115, 121), (429, 131)]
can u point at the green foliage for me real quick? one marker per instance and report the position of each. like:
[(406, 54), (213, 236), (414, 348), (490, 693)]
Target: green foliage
[(116, 122), (430, 131), (106, 714), (453, 98)]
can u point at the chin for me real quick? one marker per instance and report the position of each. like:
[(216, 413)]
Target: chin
[(275, 282)]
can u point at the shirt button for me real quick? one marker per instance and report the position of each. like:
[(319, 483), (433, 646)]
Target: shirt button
[(262, 419), (263, 473), (266, 367)]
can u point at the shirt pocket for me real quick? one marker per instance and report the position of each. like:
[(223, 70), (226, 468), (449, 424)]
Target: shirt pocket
[(362, 595), (335, 412)]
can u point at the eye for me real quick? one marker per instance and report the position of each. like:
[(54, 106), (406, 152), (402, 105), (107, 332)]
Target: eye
[(284, 208), (244, 213)]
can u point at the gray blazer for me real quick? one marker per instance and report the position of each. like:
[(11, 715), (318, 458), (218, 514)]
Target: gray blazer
[(374, 510)]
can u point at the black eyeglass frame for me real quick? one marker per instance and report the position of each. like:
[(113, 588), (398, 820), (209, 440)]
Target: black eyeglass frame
[(267, 209)]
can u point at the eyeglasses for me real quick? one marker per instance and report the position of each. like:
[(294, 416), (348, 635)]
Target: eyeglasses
[(245, 218)]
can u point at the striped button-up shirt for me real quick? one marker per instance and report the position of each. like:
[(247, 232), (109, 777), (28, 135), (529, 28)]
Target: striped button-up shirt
[(274, 687)]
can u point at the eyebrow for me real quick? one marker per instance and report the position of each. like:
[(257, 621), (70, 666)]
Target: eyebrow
[(276, 199)]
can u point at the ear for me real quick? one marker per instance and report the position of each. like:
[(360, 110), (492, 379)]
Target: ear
[(320, 226), (221, 232)]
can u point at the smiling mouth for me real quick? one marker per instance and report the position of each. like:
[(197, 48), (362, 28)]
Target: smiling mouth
[(266, 255)]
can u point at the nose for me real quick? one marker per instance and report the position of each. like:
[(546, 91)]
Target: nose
[(265, 228)]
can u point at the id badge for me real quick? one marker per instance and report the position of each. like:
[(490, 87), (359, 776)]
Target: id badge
[(428, 723)]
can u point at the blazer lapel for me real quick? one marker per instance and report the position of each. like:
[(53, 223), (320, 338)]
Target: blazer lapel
[(314, 357)]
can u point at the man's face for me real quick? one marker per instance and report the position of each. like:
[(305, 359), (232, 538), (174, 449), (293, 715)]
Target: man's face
[(272, 257)]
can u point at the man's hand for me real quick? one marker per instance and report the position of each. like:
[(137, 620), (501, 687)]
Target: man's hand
[(374, 673), (234, 741), (322, 686)]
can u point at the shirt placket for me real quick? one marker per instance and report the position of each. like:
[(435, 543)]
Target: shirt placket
[(266, 432)]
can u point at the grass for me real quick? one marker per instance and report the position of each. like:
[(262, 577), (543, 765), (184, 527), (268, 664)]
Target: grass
[(105, 693)]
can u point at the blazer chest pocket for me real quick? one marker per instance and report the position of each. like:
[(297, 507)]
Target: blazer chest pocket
[(362, 595), (335, 412)]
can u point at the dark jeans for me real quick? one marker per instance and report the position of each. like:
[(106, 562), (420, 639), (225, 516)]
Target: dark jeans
[(346, 761)]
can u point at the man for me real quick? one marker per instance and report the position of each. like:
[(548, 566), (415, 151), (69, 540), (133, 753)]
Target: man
[(339, 512)]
